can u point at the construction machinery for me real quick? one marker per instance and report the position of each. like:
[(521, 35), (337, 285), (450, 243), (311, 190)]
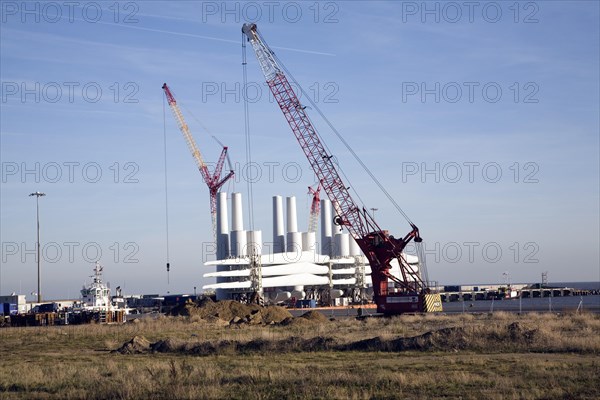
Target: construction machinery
[(408, 292), (214, 180), (315, 207)]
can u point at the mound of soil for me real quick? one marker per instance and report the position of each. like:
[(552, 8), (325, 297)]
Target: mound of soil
[(232, 311), (373, 344), (292, 344), (446, 339), (137, 345), (307, 319), (168, 345), (314, 316), (275, 314)]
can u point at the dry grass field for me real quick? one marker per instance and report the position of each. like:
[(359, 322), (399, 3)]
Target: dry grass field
[(496, 356)]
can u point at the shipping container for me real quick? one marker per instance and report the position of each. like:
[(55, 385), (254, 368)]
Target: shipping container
[(452, 288), (307, 303), (47, 308), (8, 309)]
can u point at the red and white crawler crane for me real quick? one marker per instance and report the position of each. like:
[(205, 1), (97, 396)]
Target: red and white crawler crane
[(214, 180), (315, 207), (380, 248)]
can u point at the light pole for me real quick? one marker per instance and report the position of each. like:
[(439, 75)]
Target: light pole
[(373, 212), (506, 278), (37, 207)]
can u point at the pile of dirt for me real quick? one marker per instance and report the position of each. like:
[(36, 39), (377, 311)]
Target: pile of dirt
[(232, 312), (275, 314), (307, 319), (373, 344), (137, 345), (168, 345), (446, 339), (292, 344), (314, 316), (442, 340)]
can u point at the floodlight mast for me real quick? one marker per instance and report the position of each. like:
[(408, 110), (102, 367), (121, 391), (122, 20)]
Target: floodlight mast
[(39, 274)]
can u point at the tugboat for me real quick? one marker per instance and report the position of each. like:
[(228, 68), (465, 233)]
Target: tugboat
[(97, 304), (96, 296)]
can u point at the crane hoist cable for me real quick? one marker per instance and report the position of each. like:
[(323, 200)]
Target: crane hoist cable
[(166, 189), (249, 178)]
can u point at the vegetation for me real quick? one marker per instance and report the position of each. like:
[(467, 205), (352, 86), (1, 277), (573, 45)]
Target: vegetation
[(501, 355)]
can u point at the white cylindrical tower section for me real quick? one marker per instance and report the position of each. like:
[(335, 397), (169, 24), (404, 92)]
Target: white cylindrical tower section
[(294, 242), (222, 223), (326, 218), (254, 242), (309, 241), (354, 248), (325, 227), (239, 243), (292, 217), (278, 229), (222, 240), (237, 218), (342, 244)]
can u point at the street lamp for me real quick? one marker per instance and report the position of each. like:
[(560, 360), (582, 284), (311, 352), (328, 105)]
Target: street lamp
[(37, 206), (373, 212), (506, 278)]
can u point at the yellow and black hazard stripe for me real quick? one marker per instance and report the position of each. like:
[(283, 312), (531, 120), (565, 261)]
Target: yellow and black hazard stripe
[(433, 302)]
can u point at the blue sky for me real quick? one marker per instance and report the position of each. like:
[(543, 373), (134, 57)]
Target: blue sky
[(412, 86)]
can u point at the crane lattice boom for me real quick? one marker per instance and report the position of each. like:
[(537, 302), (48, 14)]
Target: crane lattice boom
[(315, 207), (214, 180), (378, 246)]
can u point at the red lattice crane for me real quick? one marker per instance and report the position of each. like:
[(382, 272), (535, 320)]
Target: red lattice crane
[(214, 180), (380, 248), (315, 207)]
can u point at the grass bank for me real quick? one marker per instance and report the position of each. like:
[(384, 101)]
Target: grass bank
[(498, 356)]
